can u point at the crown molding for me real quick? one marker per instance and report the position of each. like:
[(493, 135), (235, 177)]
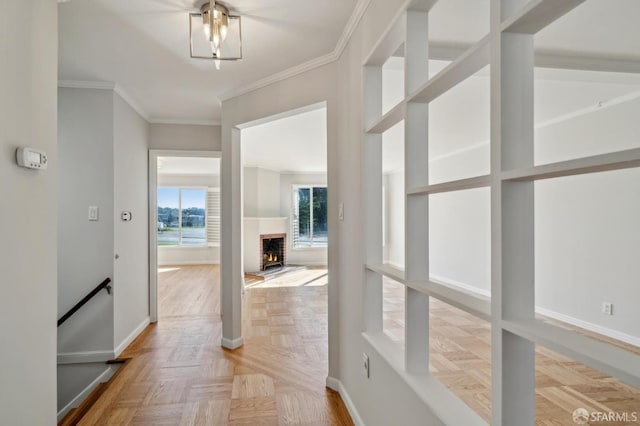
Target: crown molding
[(105, 85), (131, 101), (352, 23), (282, 75), (354, 20)]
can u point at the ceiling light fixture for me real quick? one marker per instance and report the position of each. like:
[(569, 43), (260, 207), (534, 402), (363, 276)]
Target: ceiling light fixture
[(215, 34)]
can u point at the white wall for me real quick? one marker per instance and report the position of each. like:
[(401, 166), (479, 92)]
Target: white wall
[(28, 84), (267, 194), (587, 228), (587, 232), (103, 153), (186, 137), (261, 192), (307, 255), (384, 398), (208, 181), (394, 247), (131, 239), (85, 248), (188, 255)]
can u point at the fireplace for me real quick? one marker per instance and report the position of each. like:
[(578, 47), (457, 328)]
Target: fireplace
[(273, 250)]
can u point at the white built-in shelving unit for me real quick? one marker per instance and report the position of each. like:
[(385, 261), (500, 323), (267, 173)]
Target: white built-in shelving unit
[(509, 51)]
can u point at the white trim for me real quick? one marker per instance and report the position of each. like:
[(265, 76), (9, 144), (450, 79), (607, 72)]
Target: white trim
[(336, 385), (442, 402), (131, 337), (153, 235), (84, 357), (232, 344), (459, 151), (82, 84), (353, 22), (189, 262), (153, 217), (105, 85), (294, 172), (265, 218), (184, 122), (589, 326), (453, 283), (131, 101), (592, 108), (605, 331), (280, 76), (284, 114), (75, 402)]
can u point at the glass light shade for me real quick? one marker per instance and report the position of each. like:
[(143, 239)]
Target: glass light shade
[(214, 34), (206, 25), (224, 26)]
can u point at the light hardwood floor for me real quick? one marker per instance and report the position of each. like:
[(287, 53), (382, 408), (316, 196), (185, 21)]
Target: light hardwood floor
[(179, 374), (460, 356)]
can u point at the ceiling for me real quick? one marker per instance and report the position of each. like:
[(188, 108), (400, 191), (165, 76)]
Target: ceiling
[(143, 45), (296, 144)]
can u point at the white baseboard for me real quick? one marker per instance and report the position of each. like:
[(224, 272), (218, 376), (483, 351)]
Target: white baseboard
[(605, 331), (189, 262), (232, 344), (336, 385), (470, 288), (131, 337), (84, 357), (75, 402)]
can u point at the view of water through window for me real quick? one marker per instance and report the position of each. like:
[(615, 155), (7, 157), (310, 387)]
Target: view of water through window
[(182, 217)]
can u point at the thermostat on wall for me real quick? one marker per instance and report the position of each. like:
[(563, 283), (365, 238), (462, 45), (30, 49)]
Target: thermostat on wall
[(31, 158)]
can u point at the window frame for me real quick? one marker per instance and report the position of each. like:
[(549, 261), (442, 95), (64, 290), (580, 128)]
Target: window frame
[(294, 190), (206, 213)]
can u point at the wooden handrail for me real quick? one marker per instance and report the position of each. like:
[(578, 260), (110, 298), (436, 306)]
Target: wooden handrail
[(103, 285)]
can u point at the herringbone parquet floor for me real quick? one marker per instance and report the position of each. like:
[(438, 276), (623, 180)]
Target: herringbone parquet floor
[(460, 357), (179, 374)]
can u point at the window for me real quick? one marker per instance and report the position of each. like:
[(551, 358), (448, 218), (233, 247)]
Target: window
[(309, 216), (182, 216)]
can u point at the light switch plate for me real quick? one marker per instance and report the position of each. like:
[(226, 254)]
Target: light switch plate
[(93, 213)]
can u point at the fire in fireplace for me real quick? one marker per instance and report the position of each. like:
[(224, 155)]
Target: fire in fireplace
[(273, 250)]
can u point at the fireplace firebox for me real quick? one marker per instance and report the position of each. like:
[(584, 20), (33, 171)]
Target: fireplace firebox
[(273, 248)]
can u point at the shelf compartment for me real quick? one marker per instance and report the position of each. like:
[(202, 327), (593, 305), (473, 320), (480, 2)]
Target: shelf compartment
[(602, 356), (537, 14), (594, 164), (476, 305), (454, 185), (472, 61)]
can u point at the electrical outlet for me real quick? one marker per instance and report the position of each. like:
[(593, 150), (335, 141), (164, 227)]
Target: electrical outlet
[(365, 364), (607, 308)]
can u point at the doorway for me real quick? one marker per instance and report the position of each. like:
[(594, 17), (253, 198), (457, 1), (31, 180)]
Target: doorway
[(184, 214)]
